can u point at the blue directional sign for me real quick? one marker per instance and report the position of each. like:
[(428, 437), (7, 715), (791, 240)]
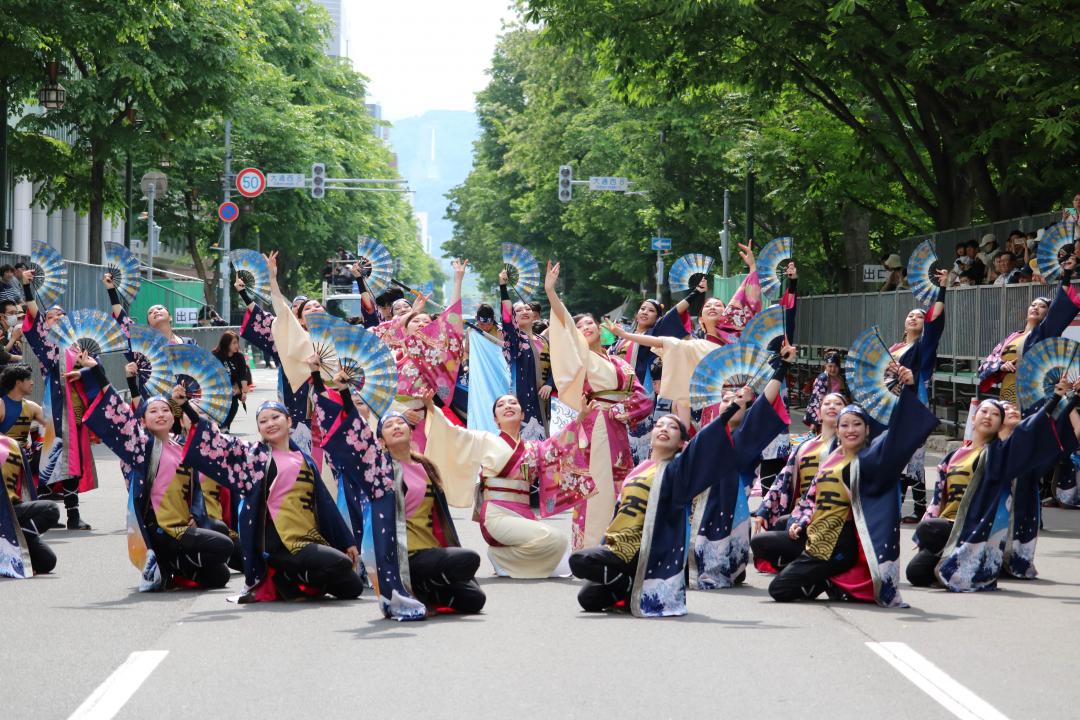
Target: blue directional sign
[(660, 243)]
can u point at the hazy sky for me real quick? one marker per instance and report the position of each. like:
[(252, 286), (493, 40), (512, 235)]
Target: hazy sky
[(424, 54)]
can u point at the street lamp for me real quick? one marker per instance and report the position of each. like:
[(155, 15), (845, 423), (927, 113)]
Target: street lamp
[(152, 184), (52, 94)]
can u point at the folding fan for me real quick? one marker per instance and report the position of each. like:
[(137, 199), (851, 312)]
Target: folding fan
[(768, 260), (764, 328), (203, 376), (685, 268), (50, 275), (1041, 367), (919, 267), (124, 267), (522, 268), (726, 368), (1056, 237), (250, 266), (151, 360), (94, 331), (320, 329), (376, 265), (369, 365), (866, 367)]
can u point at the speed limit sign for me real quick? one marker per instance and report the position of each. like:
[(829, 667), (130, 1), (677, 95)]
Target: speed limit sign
[(250, 182)]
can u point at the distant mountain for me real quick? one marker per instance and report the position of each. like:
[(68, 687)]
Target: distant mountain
[(434, 154)]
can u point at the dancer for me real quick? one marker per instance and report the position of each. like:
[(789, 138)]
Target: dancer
[(163, 492), (967, 522), (23, 518), (407, 510), (523, 350), (773, 545), (608, 399), (228, 354), (850, 515), (158, 317), (69, 464), (831, 380)]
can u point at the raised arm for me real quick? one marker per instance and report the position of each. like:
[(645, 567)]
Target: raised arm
[(551, 277), (909, 426), (460, 266), (1062, 311), (643, 340)]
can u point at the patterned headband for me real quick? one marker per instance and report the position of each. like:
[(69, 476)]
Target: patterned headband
[(271, 405)]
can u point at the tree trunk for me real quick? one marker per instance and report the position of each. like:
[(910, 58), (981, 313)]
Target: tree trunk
[(856, 248), (97, 203), (192, 240)]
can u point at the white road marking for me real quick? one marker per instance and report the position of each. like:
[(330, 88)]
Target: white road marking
[(105, 702), (935, 682)]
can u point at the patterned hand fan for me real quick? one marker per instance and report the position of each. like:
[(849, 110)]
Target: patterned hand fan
[(919, 268), (124, 267), (866, 366), (369, 364), (250, 266), (522, 268), (765, 327), (320, 329), (376, 265), (91, 330), (1042, 366), (1056, 237), (768, 260), (148, 347), (726, 368), (50, 275), (685, 268), (203, 376)]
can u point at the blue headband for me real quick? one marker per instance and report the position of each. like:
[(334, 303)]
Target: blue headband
[(387, 416), (299, 299), (271, 405), (854, 410), (145, 404)]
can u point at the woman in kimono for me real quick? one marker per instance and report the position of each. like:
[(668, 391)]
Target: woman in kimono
[(519, 544), (523, 349), (608, 398), (419, 560), (23, 518), (163, 490), (961, 539), (294, 539), (772, 544), (831, 380), (918, 353), (850, 515), (69, 464)]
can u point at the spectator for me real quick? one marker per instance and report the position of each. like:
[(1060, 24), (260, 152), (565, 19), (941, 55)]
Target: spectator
[(989, 247), (1072, 213), (485, 320), (831, 380), (228, 353), (960, 264), (1017, 245), (328, 272), (975, 273), (1005, 270), (1026, 274), (11, 330), (10, 286), (896, 279)]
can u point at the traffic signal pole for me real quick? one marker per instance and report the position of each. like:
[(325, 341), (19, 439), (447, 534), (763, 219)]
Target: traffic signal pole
[(226, 183)]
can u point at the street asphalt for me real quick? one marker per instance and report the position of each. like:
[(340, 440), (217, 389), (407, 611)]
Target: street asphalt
[(532, 652)]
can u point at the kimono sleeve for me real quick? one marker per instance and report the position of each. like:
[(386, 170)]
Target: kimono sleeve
[(700, 464), (1035, 444), (255, 329), (760, 426), (292, 342), (225, 459), (778, 497), (933, 510), (672, 324), (113, 420), (352, 447), (124, 321), (911, 423), (460, 454), (804, 511), (1062, 311), (572, 363)]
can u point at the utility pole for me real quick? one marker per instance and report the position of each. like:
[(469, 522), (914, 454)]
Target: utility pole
[(151, 192), (3, 163), (659, 270), (129, 213), (725, 249), (749, 201), (226, 183)]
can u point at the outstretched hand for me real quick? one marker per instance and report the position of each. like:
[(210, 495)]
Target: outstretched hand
[(942, 277), (108, 281), (460, 265), (551, 277), (271, 263), (747, 255)]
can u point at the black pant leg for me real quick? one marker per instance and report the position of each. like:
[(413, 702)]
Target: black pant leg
[(445, 577), (236, 560), (932, 534), (609, 578), (35, 517), (320, 566), (202, 556), (806, 577), (777, 548), (233, 407)]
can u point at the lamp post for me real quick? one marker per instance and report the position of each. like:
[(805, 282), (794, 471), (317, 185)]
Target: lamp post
[(152, 184)]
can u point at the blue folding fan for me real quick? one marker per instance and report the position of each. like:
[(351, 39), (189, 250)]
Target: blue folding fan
[(376, 265), (765, 328), (124, 267), (1041, 367), (1054, 239), (94, 331), (685, 268), (250, 266), (522, 269), (775, 252), (320, 329), (50, 275), (919, 268), (867, 370), (204, 378), (726, 368), (151, 360), (368, 363)]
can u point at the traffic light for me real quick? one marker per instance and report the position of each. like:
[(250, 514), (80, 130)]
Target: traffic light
[(318, 181), (566, 183)]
